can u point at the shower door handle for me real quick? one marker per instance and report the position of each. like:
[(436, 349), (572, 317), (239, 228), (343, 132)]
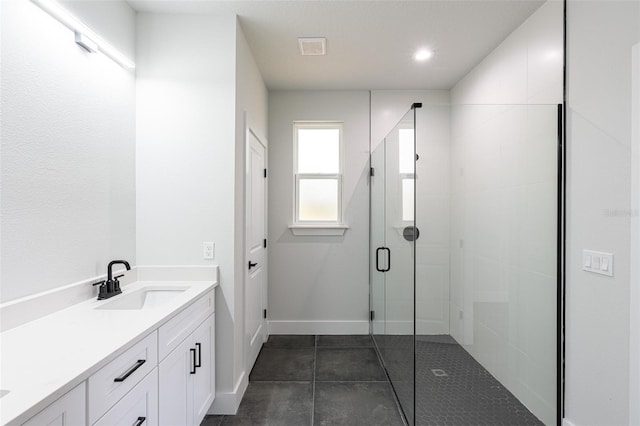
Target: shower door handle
[(378, 250)]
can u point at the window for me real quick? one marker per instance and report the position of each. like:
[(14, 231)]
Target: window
[(318, 178), (406, 165)]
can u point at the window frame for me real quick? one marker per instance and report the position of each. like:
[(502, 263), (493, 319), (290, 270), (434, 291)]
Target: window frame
[(308, 227)]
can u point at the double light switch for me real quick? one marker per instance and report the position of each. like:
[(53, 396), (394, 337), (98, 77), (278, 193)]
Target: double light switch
[(597, 262)]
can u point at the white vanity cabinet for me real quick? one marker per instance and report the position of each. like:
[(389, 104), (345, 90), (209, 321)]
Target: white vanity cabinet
[(68, 410), (187, 378), (166, 377), (204, 381)]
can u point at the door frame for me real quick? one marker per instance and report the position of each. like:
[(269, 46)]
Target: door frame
[(634, 354), (247, 141)]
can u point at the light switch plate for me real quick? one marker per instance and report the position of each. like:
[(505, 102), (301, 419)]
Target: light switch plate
[(597, 262)]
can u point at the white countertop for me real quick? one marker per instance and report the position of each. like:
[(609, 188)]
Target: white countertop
[(44, 359)]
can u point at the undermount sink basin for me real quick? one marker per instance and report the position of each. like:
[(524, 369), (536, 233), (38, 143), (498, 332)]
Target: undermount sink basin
[(144, 298)]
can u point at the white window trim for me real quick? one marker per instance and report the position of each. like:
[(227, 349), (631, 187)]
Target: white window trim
[(307, 228)]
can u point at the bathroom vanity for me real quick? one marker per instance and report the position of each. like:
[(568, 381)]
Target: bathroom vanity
[(145, 357)]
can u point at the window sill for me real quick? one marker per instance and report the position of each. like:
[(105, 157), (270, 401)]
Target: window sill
[(318, 229)]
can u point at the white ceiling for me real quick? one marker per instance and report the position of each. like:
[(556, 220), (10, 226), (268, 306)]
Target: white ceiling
[(369, 43)]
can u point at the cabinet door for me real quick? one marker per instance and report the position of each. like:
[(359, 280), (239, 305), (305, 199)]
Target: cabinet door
[(175, 386), (139, 407), (204, 381), (68, 410)]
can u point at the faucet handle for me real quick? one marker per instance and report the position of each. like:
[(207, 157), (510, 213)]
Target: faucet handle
[(116, 284), (103, 290)]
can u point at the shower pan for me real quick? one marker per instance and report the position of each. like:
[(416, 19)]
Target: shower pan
[(464, 263)]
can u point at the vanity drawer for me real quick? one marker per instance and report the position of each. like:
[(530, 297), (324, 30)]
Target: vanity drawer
[(114, 380), (138, 407), (68, 410), (171, 334)]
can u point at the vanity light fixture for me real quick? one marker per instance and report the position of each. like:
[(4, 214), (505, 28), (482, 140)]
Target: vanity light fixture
[(84, 36), (86, 43), (423, 55)]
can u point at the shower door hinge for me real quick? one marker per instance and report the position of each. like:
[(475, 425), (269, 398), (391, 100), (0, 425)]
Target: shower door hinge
[(264, 313), (265, 172), (372, 315), (372, 172)]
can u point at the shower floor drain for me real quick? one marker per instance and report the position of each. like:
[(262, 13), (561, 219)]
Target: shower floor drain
[(439, 373)]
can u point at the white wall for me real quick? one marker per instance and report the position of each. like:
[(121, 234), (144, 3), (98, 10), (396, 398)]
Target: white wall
[(503, 234), (599, 183), (195, 79), (318, 284), (251, 105), (68, 149), (185, 146), (433, 211)]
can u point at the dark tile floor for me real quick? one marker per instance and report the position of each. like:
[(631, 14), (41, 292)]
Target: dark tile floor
[(466, 395), (316, 380)]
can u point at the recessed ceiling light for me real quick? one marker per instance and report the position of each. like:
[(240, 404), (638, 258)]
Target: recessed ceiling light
[(423, 55)]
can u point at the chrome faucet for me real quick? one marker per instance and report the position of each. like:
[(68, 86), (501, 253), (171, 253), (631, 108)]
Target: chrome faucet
[(111, 287)]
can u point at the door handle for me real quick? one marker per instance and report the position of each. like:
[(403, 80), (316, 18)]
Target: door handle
[(252, 264), (388, 259), (378, 250)]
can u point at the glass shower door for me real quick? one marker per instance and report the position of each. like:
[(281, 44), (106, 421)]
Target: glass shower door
[(393, 257)]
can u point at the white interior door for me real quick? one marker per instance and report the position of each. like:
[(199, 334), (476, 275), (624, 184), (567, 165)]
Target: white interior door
[(256, 277)]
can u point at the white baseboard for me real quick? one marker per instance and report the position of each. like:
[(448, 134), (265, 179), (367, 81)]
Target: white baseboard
[(566, 422), (318, 327), (227, 403), (432, 327), (398, 327)]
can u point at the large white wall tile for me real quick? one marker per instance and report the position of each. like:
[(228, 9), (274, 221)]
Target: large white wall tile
[(504, 173), (545, 54)]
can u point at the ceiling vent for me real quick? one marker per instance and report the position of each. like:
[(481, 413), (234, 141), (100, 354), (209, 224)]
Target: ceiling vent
[(316, 46)]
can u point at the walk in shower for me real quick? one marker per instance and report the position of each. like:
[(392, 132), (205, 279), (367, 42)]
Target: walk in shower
[(464, 257)]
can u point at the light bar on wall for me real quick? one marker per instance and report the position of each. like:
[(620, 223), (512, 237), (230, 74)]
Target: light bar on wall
[(86, 43), (84, 36)]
